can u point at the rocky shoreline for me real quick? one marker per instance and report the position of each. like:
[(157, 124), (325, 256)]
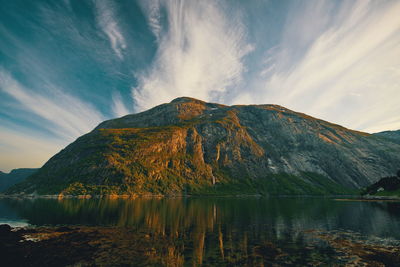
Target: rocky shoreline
[(335, 197), (119, 246), (32, 196), (368, 197)]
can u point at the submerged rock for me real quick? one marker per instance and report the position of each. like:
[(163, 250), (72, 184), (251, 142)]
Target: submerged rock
[(119, 246)]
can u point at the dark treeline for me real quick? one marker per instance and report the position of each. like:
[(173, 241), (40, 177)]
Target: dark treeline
[(388, 184)]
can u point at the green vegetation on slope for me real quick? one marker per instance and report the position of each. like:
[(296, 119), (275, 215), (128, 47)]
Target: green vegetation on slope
[(273, 185), (197, 148), (277, 185)]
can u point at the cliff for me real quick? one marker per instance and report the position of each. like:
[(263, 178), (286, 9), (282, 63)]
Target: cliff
[(192, 147)]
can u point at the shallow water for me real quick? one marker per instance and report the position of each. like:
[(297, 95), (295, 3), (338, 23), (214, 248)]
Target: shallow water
[(226, 230)]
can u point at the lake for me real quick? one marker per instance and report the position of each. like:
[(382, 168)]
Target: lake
[(226, 231)]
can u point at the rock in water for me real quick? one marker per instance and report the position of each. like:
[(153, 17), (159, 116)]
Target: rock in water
[(192, 147)]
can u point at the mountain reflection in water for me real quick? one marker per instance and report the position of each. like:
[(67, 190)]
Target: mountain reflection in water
[(223, 230)]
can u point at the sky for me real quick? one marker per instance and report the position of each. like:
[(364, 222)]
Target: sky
[(67, 65)]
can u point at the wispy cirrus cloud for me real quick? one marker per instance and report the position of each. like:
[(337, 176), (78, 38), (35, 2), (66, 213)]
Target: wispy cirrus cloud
[(45, 97), (61, 115), (346, 69), (200, 52), (118, 107), (153, 11), (67, 117), (106, 18), (64, 62)]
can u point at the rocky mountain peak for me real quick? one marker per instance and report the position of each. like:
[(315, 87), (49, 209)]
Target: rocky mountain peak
[(191, 146), (185, 99)]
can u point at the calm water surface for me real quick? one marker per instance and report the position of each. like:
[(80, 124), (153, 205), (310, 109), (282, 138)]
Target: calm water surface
[(215, 228)]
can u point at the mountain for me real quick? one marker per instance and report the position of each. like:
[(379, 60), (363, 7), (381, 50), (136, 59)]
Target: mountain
[(394, 136), (189, 146), (15, 176)]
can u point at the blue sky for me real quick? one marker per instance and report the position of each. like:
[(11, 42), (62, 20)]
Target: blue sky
[(67, 65)]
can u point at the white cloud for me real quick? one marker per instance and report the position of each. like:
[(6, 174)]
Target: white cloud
[(200, 53), (69, 117), (119, 109), (346, 71), (109, 25), (152, 9)]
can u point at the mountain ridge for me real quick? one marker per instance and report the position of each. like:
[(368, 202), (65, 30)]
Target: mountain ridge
[(14, 176), (393, 136), (189, 146)]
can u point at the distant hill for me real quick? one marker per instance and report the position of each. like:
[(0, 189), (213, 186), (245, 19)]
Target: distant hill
[(390, 135), (15, 176), (189, 146)]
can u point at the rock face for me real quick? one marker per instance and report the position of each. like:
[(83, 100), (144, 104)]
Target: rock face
[(190, 146), (15, 176)]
